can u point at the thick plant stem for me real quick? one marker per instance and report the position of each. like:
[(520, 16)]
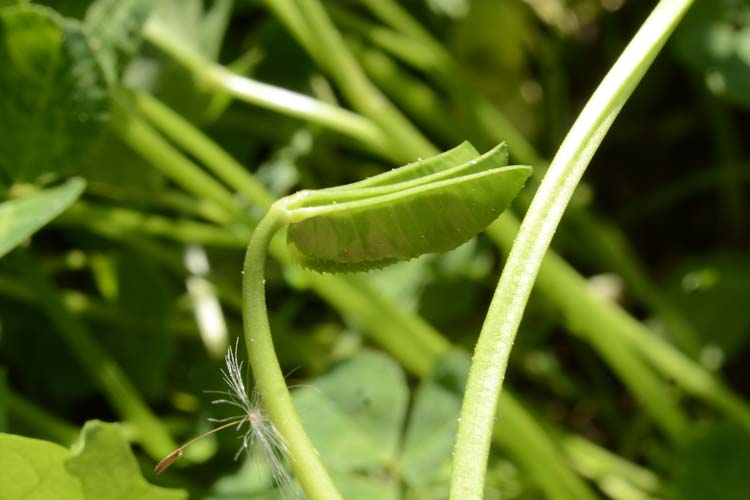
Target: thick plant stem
[(501, 324), (582, 312), (269, 379)]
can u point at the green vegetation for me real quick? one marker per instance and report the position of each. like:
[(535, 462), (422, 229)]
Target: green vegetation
[(146, 147)]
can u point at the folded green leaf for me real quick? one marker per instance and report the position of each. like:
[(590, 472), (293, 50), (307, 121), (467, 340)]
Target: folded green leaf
[(461, 160), (421, 208), (460, 154)]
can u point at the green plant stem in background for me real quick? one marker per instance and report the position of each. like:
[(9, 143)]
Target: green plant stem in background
[(267, 96), (393, 14), (269, 379), (89, 307), (506, 310), (136, 133), (102, 369), (136, 222), (602, 466), (332, 54), (522, 435), (609, 245), (196, 143)]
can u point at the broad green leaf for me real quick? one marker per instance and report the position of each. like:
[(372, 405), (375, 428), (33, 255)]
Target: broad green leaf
[(22, 217), (101, 468), (54, 96), (31, 469), (351, 230), (354, 415), (715, 465), (107, 469), (433, 420), (360, 404), (116, 26), (714, 41)]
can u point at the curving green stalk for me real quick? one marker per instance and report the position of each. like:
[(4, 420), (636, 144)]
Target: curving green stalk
[(341, 229), (269, 379), (267, 96), (511, 295)]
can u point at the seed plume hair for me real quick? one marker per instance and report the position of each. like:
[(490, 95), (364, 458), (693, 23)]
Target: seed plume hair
[(259, 433)]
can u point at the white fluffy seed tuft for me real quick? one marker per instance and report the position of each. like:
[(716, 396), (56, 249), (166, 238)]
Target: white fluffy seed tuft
[(260, 434)]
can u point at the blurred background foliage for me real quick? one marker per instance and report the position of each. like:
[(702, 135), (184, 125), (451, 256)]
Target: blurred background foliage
[(668, 189)]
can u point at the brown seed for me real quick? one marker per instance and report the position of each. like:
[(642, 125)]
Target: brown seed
[(167, 461)]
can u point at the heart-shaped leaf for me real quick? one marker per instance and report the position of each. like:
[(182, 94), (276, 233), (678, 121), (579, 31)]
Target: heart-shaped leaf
[(102, 467), (31, 469), (107, 469), (421, 208)]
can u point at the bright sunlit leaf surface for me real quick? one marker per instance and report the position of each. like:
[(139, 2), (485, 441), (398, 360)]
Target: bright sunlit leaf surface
[(100, 467)]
